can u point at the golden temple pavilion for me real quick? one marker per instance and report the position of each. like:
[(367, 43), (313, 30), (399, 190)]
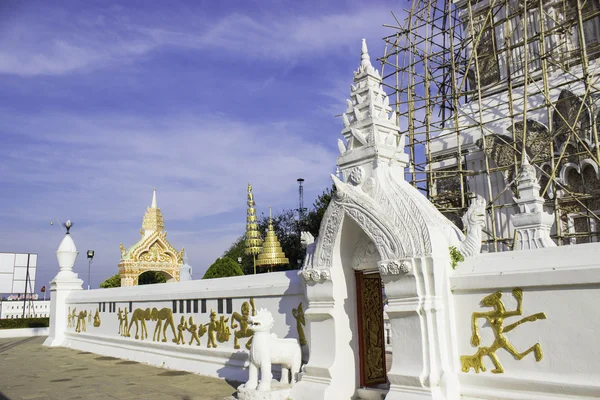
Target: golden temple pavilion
[(152, 252)]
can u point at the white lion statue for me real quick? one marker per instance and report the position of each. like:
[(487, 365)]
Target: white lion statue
[(268, 349), (309, 243)]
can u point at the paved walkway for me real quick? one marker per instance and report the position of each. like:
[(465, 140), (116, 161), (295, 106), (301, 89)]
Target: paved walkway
[(30, 371)]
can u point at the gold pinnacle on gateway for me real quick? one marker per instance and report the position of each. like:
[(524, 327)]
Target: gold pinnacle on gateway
[(253, 238), (272, 253)]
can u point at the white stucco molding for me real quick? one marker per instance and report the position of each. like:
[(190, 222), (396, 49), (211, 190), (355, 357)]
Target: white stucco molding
[(394, 267), (316, 275)]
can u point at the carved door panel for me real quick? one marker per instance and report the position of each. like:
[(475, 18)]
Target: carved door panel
[(370, 329)]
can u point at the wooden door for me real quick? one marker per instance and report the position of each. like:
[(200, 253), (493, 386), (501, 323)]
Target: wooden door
[(370, 329)]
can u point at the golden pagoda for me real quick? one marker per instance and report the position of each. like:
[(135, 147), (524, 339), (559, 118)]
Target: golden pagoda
[(152, 252), (272, 253), (253, 240)]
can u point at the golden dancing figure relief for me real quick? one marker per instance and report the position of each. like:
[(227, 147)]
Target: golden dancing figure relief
[(125, 331), (97, 319), (298, 314), (182, 327), (242, 319), (81, 321), (496, 321), (166, 315), (197, 331), (140, 316), (71, 317), (217, 330), (121, 319), (223, 331)]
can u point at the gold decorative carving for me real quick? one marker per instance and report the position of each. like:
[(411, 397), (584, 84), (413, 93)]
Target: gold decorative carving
[(139, 316), (298, 314), (123, 250), (182, 327), (217, 330), (372, 328), (89, 317), (81, 321), (242, 319), (496, 320), (71, 317), (121, 319), (155, 254), (97, 319), (197, 331), (166, 315)]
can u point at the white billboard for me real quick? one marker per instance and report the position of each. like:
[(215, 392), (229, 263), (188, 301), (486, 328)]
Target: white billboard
[(13, 272)]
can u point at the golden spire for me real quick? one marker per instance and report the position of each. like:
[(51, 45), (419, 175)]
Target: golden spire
[(253, 239), (153, 219), (272, 253)]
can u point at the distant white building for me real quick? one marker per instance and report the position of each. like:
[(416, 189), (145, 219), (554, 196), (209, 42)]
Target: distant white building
[(33, 309)]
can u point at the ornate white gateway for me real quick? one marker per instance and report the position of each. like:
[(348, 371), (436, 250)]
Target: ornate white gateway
[(379, 224)]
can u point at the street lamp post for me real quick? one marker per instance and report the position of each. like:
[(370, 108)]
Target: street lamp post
[(90, 255)]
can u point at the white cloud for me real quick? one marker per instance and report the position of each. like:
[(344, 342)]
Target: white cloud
[(100, 171), (34, 45), (200, 164)]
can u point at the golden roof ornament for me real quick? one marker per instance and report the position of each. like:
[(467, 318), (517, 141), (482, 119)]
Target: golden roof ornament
[(253, 236), (153, 219), (272, 254)]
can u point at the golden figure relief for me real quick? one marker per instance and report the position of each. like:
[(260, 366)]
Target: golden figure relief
[(97, 319), (223, 331), (125, 331), (242, 319), (81, 321), (163, 316), (121, 319), (140, 316), (70, 318), (89, 317), (298, 314), (496, 320), (182, 327), (217, 330), (197, 331)]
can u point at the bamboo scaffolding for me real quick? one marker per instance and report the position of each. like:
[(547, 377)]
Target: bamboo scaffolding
[(444, 63)]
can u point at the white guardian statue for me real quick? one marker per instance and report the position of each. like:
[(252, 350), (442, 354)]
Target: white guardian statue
[(267, 349)]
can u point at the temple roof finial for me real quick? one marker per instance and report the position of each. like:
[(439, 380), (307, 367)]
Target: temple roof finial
[(154, 199), (365, 59)]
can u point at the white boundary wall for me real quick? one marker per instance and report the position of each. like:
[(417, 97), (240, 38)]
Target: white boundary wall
[(23, 332), (278, 292), (562, 282)]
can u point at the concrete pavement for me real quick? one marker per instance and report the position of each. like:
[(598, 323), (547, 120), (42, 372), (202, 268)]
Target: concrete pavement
[(30, 371)]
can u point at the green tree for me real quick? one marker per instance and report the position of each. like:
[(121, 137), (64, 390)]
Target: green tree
[(147, 278), (223, 267), (151, 277), (236, 251), (312, 220), (113, 281)]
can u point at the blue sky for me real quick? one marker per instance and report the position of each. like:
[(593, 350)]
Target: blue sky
[(101, 102)]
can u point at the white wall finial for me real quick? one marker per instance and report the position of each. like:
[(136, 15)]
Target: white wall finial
[(154, 199), (365, 59)]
